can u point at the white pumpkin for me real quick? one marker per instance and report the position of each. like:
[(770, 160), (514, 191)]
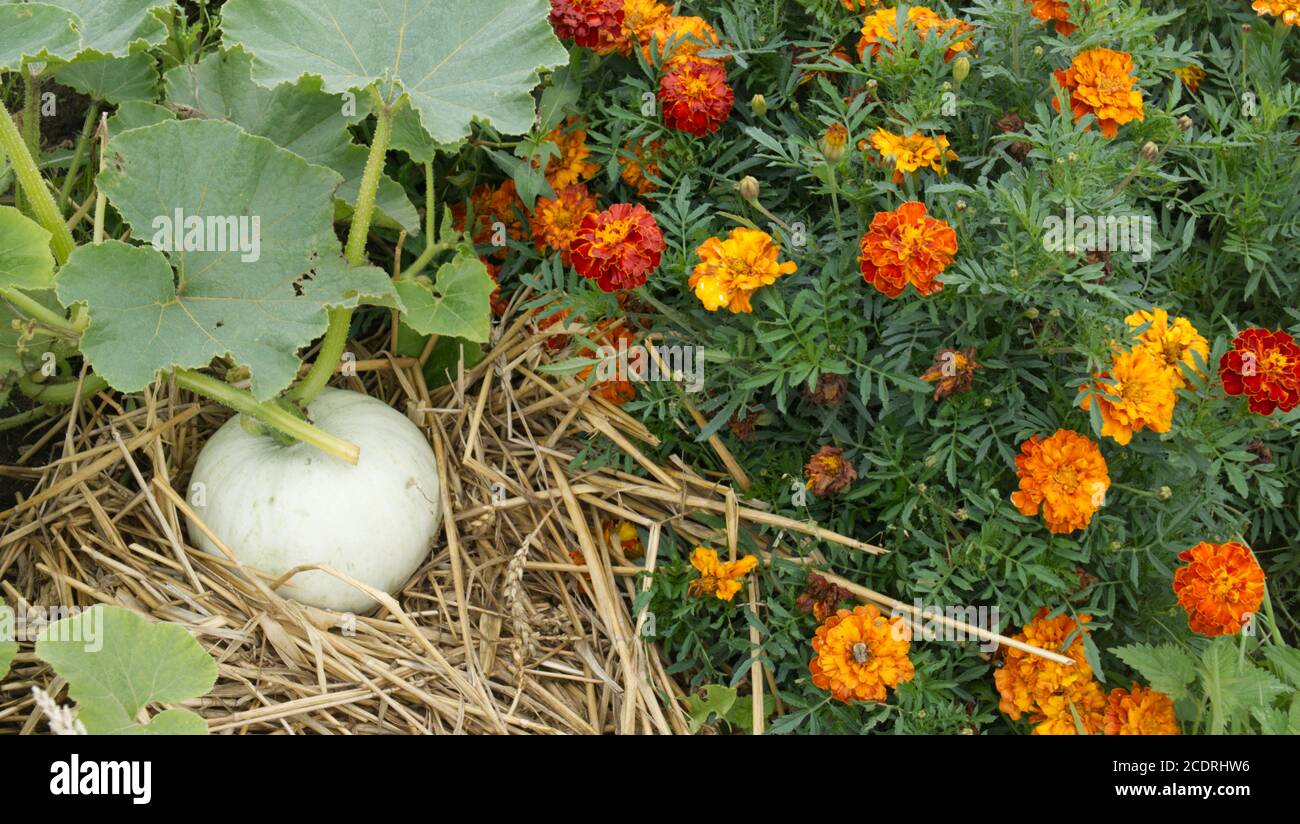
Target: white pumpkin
[(278, 506)]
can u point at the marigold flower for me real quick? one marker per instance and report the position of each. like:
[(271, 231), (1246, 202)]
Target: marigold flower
[(617, 248), (730, 271), (618, 390), (638, 163), (641, 18), (686, 36), (830, 391), (492, 205), (880, 28), (572, 166), (913, 152), (499, 303), (1220, 587), (1057, 712), (1025, 681), (953, 371), (720, 579), (859, 654), (1100, 83), (695, 97), (828, 473), (1265, 367), (833, 141), (593, 24), (1140, 711), (1136, 393), (1191, 77), (1053, 11), (1175, 341), (1288, 10), (856, 5), (906, 246), (623, 534), (1064, 474), (821, 597), (556, 221)]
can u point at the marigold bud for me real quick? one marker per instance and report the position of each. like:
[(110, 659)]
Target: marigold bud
[(961, 205), (961, 69), (1184, 123), (759, 104), (833, 142), (749, 188), (1032, 313), (1038, 51), (872, 84), (1164, 493), (921, 488), (1150, 151)]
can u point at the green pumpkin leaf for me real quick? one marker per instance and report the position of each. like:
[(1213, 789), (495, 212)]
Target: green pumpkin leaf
[(136, 114), (58, 31), (116, 663), (151, 312), (300, 117), (25, 258), (410, 137), (458, 304), (115, 79), (36, 32), (717, 699), (458, 61)]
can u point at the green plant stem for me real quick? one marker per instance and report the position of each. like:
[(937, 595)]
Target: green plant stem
[(32, 415), (336, 336), (1272, 619), (29, 177), (431, 247), (34, 309), (271, 414), (74, 165), (63, 392)]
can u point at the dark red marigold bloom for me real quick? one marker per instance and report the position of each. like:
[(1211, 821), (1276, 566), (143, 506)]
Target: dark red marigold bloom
[(594, 24), (695, 97), (618, 248), (1265, 367)]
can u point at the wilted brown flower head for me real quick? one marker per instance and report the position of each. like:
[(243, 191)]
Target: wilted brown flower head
[(952, 372), (821, 597), (828, 473), (830, 391), (1012, 123)]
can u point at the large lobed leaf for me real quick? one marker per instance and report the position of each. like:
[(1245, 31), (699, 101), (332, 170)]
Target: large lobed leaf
[(459, 61), (458, 302), (27, 264), (116, 662), (146, 318), (66, 30)]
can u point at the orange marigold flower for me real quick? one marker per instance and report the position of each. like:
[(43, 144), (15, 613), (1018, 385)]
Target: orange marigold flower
[(623, 534), (1288, 10), (695, 97), (720, 579), (1140, 711), (1057, 712), (641, 19), (499, 303), (618, 248), (572, 166), (730, 271), (855, 5), (593, 24), (1220, 587), (618, 390), (1175, 341), (1100, 83), (1057, 11), (1065, 475), (859, 654), (638, 163), (1191, 77), (953, 371), (1026, 681), (492, 205), (685, 36), (906, 246), (1265, 367), (1136, 393), (881, 28), (828, 473), (913, 152), (555, 222)]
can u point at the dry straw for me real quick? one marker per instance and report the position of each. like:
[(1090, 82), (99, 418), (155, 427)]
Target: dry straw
[(499, 632)]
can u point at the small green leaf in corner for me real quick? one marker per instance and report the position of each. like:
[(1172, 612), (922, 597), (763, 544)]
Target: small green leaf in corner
[(456, 304)]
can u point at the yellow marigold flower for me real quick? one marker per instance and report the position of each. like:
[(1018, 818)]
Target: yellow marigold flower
[(555, 222), (640, 19), (692, 35), (1288, 10), (1140, 711), (720, 579), (1057, 712), (1025, 681), (638, 163), (1191, 77), (731, 270), (1174, 341), (1100, 83), (860, 653), (1065, 475), (913, 152), (833, 141), (572, 165), (880, 28), (1136, 393)]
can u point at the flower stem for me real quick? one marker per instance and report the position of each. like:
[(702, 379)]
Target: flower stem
[(336, 337), (38, 194), (271, 414), (74, 166), (34, 309), (32, 415), (62, 393)]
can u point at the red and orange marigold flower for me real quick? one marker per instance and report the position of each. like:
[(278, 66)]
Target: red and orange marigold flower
[(695, 97), (1264, 366), (1286, 10), (1136, 393), (618, 248), (1065, 475), (623, 535), (859, 654), (573, 164), (1140, 711), (555, 221), (906, 246), (618, 390), (953, 371), (593, 24), (718, 578), (1100, 82), (492, 205), (730, 271), (1220, 586), (912, 152)]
